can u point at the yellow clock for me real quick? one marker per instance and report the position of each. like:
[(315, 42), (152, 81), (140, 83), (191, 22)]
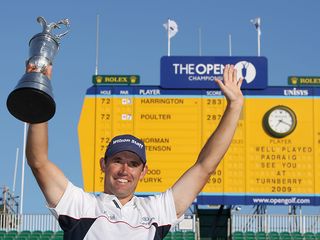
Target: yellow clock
[(279, 121)]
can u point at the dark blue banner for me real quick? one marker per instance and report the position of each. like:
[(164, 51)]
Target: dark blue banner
[(199, 72), (279, 91), (258, 200)]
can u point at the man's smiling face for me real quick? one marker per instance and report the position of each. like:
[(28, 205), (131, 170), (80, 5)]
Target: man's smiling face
[(122, 174)]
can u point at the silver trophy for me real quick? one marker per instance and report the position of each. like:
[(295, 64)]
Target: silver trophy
[(32, 99)]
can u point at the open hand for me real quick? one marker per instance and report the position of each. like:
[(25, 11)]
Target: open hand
[(231, 86)]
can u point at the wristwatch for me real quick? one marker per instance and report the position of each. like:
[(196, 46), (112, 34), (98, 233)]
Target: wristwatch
[(279, 121)]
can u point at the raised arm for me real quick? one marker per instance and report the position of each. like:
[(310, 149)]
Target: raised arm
[(194, 179), (49, 177)]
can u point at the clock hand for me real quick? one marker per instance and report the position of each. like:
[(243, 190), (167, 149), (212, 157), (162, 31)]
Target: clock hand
[(279, 121), (284, 122)]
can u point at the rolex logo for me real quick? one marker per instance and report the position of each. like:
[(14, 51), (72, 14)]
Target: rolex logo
[(99, 79), (133, 79), (294, 80)]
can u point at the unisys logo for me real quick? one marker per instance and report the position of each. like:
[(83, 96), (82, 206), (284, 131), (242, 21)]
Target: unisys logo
[(296, 92)]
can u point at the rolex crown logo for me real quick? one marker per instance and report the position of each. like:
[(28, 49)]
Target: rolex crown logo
[(133, 79), (294, 80), (98, 79)]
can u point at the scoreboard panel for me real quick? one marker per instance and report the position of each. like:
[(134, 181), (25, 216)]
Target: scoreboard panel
[(257, 169), (154, 118), (317, 140), (279, 165)]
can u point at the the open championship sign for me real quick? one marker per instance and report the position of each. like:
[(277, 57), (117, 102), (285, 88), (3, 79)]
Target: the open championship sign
[(200, 72)]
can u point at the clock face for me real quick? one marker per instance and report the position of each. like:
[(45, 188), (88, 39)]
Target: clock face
[(279, 121)]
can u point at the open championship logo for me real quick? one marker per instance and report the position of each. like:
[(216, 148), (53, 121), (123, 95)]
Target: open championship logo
[(246, 70)]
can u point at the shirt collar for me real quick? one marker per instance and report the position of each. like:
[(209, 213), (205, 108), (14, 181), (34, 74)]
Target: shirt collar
[(110, 197)]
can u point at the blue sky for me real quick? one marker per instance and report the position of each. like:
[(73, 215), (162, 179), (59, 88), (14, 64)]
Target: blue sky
[(132, 41)]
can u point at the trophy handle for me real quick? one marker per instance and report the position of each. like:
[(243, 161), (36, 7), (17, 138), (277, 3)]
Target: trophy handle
[(47, 28)]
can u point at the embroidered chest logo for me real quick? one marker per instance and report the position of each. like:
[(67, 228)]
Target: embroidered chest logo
[(110, 216), (146, 220)]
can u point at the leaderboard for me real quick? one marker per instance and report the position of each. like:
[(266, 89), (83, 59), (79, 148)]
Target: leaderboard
[(260, 166)]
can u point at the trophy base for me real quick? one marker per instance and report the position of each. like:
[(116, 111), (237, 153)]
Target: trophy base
[(32, 100)]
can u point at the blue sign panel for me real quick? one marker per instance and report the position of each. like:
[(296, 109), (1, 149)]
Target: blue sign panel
[(200, 72)]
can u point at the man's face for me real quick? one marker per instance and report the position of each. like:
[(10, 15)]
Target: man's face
[(122, 174)]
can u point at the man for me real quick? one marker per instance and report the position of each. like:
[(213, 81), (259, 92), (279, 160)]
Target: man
[(117, 213)]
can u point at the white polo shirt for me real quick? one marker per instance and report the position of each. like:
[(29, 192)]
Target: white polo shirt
[(83, 215)]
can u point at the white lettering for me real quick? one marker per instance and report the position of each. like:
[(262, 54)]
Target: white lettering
[(296, 92), (201, 78), (149, 92), (121, 140), (213, 93), (176, 65), (199, 69), (105, 92), (136, 143)]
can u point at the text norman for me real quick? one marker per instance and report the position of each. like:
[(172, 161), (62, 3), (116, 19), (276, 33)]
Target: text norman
[(156, 140)]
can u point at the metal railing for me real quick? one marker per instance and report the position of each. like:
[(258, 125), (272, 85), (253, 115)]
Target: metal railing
[(30, 222), (44, 222), (239, 222), (275, 223)]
